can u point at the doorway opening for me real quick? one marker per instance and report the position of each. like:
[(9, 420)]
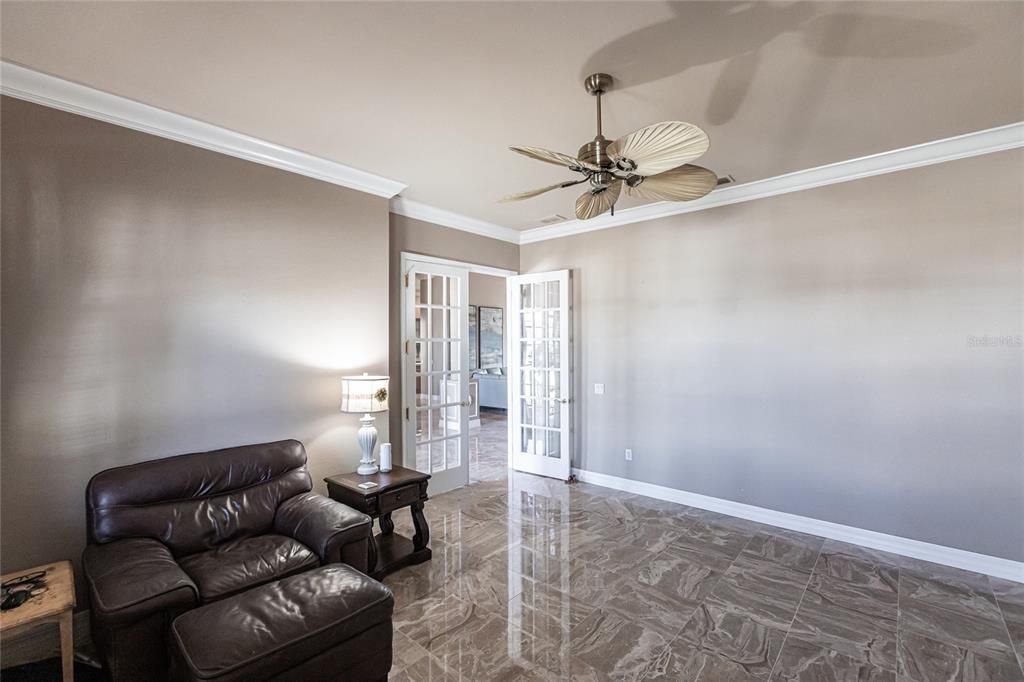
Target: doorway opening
[(488, 440), (486, 372), (454, 382)]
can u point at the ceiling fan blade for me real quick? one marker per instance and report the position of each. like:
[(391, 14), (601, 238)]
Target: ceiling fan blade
[(556, 158), (590, 204), (659, 147), (685, 183), (529, 194)]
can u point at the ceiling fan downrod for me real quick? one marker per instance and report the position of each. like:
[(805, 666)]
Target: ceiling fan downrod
[(597, 84), (596, 151)]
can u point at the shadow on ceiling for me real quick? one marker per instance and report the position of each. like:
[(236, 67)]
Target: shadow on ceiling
[(734, 32)]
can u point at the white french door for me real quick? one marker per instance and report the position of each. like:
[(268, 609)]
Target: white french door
[(435, 373), (540, 374)]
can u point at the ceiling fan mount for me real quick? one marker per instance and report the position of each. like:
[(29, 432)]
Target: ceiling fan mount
[(598, 83), (651, 162)]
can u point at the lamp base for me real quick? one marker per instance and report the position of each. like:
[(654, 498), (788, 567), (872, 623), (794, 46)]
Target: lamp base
[(367, 442)]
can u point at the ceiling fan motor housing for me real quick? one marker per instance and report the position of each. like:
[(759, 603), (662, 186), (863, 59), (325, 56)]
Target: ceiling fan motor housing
[(596, 152)]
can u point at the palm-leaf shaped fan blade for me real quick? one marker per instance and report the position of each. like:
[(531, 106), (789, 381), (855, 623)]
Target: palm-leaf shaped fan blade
[(556, 158), (685, 183), (659, 147), (596, 201), (529, 194)]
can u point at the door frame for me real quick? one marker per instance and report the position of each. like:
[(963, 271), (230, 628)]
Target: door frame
[(407, 259), (567, 436)]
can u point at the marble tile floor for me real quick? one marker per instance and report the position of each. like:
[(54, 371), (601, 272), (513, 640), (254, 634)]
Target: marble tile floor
[(536, 579), (488, 447)]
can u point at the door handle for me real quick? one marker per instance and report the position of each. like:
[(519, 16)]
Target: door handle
[(467, 402), (564, 401)]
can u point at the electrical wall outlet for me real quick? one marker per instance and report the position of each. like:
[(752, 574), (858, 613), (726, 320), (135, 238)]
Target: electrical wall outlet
[(629, 455), (598, 389)]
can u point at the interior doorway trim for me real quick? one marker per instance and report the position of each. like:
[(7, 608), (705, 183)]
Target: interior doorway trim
[(408, 256), (407, 259)]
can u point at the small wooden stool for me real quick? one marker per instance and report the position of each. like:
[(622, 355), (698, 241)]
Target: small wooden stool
[(53, 606)]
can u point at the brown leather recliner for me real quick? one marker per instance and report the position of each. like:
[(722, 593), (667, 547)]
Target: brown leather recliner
[(168, 535)]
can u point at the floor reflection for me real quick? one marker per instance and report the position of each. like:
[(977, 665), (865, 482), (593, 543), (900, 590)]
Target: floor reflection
[(488, 447), (494, 601)]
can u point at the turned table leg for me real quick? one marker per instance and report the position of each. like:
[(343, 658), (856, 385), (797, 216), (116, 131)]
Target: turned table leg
[(419, 522), (387, 526), (372, 558)]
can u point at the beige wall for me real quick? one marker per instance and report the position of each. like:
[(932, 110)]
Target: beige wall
[(814, 353), (158, 299), (487, 290), (428, 239), (416, 236)]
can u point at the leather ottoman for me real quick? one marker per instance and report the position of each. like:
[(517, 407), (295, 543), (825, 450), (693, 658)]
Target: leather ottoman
[(328, 623)]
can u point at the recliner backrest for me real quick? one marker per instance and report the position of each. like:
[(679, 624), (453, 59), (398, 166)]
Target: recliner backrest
[(195, 502)]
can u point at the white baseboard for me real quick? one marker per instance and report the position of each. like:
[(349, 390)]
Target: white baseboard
[(926, 551)]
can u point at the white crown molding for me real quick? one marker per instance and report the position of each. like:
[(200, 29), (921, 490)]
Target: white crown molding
[(926, 551), (33, 86), (439, 216), (962, 146)]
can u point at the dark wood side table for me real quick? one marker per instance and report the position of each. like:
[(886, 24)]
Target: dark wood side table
[(398, 488)]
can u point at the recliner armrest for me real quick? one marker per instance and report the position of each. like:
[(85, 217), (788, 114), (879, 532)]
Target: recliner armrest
[(336, 532), (134, 578)]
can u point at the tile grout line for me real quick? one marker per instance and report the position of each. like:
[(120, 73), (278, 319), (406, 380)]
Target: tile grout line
[(792, 620), (899, 619), (712, 591), (952, 611), (696, 608), (1019, 655)]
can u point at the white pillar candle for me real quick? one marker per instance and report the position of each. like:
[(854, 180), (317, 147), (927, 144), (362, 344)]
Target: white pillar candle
[(385, 457)]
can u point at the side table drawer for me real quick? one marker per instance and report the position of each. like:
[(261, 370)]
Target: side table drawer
[(399, 497)]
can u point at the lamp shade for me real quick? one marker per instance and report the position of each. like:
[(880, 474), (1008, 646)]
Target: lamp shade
[(364, 394)]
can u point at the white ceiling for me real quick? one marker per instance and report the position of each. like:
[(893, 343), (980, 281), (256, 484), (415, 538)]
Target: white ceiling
[(432, 94)]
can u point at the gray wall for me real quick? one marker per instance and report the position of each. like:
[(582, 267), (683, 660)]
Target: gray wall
[(159, 299), (812, 353)]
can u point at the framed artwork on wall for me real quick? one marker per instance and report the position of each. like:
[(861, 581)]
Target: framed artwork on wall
[(474, 339), (491, 321)]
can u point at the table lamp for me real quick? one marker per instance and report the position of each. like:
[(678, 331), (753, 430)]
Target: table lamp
[(365, 394)]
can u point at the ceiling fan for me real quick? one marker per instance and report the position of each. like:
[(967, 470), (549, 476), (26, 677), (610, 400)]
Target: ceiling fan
[(652, 163)]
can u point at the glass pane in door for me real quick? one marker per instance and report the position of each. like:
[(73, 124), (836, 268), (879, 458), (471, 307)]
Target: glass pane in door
[(436, 328)]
